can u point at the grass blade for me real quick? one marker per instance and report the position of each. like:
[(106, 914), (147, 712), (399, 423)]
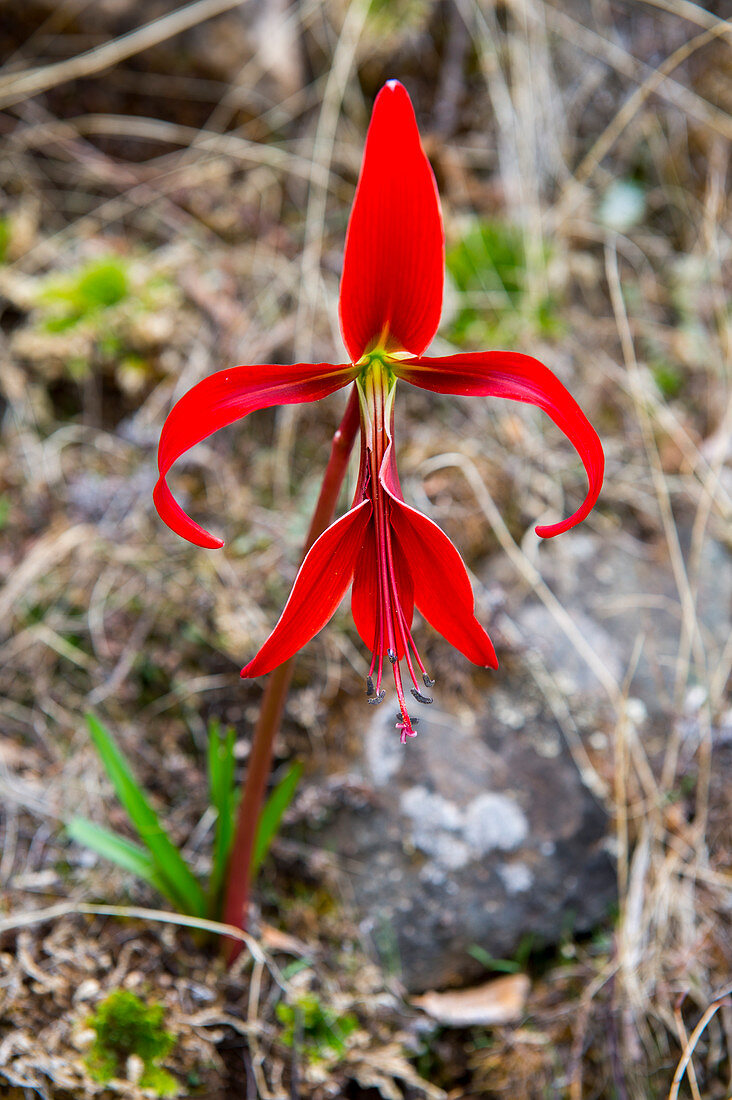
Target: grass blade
[(274, 808), (221, 766), (182, 883), (131, 857)]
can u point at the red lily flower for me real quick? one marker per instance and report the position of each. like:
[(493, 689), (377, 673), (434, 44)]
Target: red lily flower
[(390, 303)]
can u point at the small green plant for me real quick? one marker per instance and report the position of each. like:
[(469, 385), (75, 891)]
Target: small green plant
[(156, 859), (126, 1026), (5, 232), (668, 378), (488, 267), (95, 317), (85, 293), (516, 965), (500, 966), (315, 1029)]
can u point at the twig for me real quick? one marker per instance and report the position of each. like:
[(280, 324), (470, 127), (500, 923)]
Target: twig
[(683, 1040), (15, 87), (691, 638), (686, 9), (136, 912), (452, 82), (693, 1040)]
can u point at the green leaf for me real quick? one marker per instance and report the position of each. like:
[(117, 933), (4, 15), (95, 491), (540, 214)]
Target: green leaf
[(221, 766), (182, 884), (5, 234), (112, 846), (502, 966), (220, 763), (274, 808)]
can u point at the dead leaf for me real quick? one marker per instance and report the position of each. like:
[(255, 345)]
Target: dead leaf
[(499, 1001)]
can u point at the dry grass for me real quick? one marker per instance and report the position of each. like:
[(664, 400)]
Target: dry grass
[(224, 187)]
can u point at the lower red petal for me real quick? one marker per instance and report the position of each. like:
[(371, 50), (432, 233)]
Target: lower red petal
[(319, 587), (365, 605), (443, 592), (521, 378), (368, 607)]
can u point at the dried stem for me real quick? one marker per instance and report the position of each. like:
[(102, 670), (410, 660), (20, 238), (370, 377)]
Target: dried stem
[(273, 700)]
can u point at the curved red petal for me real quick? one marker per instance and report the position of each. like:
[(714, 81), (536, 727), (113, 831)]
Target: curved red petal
[(393, 267), (221, 399), (443, 591), (521, 378), (319, 587)]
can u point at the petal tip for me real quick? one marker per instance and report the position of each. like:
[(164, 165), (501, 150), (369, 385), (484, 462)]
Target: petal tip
[(179, 521), (247, 673), (394, 85)]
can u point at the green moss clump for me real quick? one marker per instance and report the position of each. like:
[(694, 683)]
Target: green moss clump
[(125, 1025), (97, 286), (489, 268), (315, 1028)]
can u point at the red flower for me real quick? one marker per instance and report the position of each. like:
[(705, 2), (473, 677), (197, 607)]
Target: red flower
[(391, 297)]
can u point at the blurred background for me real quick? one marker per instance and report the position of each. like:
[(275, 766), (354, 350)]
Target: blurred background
[(554, 849)]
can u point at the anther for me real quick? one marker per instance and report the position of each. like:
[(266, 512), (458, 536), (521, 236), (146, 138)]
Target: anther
[(426, 680), (377, 699), (420, 697), (391, 655), (400, 719), (369, 685)]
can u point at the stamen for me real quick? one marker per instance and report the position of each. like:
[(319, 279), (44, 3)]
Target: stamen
[(392, 635), (420, 697), (377, 699), (400, 720), (427, 682)]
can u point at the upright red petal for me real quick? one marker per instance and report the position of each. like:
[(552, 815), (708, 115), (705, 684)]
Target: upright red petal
[(319, 587), (393, 267), (221, 399), (443, 592), (521, 378)]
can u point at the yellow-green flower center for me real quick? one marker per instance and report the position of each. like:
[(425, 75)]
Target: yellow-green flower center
[(376, 367)]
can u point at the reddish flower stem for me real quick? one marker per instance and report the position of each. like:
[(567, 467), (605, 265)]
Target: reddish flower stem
[(273, 700)]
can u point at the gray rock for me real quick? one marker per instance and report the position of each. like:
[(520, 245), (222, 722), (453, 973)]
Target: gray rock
[(477, 833)]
